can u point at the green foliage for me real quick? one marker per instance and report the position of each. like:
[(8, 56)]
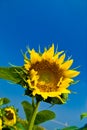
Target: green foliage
[(14, 74), (38, 128), (28, 109), (83, 115), (44, 116), (4, 101), (7, 128), (74, 128), (71, 128), (84, 127), (22, 123), (41, 116), (19, 126)]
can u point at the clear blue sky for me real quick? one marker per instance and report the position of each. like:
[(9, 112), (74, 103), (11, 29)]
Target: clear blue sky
[(43, 22)]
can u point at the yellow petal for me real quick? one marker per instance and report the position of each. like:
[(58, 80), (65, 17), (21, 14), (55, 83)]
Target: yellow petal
[(43, 94), (27, 65), (61, 59), (71, 73), (67, 80), (63, 86), (6, 120), (57, 55), (59, 82), (34, 56), (64, 90), (49, 53), (0, 124), (66, 65), (65, 83)]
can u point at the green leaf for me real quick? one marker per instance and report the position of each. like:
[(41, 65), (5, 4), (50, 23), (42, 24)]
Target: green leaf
[(28, 109), (4, 101), (38, 128), (7, 128), (23, 122), (11, 73), (71, 128), (44, 116), (84, 127), (19, 126), (83, 115)]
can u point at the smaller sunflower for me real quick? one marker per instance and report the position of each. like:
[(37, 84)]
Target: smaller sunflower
[(48, 74), (0, 124), (9, 117)]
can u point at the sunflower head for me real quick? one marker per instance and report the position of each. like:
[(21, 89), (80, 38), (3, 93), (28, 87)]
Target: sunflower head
[(9, 117), (48, 74)]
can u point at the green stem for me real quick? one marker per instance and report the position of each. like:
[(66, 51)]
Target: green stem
[(31, 123), (33, 105)]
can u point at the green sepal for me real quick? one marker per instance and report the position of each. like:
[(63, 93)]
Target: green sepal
[(4, 101), (28, 109), (83, 115), (71, 128), (14, 74), (44, 116)]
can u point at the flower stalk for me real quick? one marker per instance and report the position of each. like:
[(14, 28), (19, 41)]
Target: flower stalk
[(31, 123)]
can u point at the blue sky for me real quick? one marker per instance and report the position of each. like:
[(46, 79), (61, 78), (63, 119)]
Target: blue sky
[(43, 22)]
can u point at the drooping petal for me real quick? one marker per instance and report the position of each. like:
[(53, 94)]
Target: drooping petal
[(45, 95)]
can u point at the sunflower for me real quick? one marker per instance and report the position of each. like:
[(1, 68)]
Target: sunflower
[(0, 124), (48, 74), (9, 117)]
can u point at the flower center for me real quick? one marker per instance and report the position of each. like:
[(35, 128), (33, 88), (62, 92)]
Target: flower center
[(45, 76), (9, 115), (49, 76)]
